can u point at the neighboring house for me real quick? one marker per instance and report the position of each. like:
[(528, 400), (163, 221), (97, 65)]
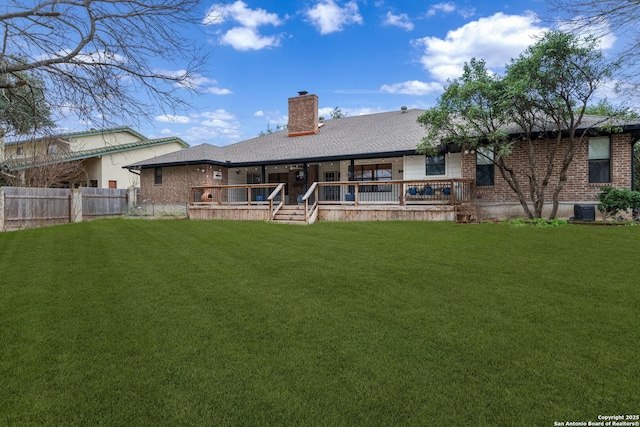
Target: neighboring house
[(375, 147), (98, 156)]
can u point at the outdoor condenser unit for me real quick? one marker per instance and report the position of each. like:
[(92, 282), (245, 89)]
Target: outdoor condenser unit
[(584, 212)]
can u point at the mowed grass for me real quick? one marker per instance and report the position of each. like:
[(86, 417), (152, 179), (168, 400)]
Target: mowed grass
[(133, 322)]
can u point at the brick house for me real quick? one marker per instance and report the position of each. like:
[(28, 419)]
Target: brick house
[(374, 148)]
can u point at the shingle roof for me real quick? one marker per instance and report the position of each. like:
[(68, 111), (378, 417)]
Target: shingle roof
[(391, 132), (395, 132)]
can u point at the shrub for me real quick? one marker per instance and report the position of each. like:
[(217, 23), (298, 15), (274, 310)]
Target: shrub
[(614, 200)]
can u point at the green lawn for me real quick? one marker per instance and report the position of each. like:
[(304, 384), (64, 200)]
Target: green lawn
[(138, 322)]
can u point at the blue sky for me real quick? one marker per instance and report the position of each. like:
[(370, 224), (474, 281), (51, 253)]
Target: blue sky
[(363, 56)]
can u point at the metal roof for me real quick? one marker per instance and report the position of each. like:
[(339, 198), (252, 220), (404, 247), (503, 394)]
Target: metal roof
[(69, 156)]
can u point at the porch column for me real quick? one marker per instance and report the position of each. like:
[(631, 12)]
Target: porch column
[(305, 171)]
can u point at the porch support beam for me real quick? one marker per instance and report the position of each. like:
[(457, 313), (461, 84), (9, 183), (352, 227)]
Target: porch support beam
[(305, 170)]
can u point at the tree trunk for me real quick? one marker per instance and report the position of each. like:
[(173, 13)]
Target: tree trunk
[(510, 177)]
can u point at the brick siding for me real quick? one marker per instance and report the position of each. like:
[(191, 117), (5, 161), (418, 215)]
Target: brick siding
[(177, 182), (303, 115), (577, 187)]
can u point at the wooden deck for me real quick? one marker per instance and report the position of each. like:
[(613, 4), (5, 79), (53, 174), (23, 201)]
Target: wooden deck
[(428, 200)]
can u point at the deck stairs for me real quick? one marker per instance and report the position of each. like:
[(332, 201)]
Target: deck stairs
[(291, 214)]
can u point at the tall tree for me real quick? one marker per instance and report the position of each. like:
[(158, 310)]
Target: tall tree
[(106, 61), (606, 18), (22, 105), (337, 113), (540, 101)]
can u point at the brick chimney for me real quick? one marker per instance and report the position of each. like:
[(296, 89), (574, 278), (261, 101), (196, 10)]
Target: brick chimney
[(303, 114)]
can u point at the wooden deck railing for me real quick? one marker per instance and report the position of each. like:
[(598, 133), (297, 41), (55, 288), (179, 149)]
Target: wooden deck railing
[(272, 196), (246, 194), (310, 200), (406, 192), (276, 198)]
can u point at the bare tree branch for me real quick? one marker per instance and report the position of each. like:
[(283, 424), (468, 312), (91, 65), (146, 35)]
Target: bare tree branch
[(602, 18), (109, 62)]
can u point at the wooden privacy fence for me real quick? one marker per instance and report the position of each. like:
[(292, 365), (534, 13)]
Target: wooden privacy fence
[(39, 207)]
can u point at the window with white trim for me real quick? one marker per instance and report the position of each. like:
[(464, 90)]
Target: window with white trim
[(435, 165), (484, 167), (600, 159)]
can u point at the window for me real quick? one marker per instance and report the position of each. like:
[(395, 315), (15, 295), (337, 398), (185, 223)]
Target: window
[(436, 165), (93, 183), (484, 167), (52, 149), (380, 172), (599, 159), (157, 176), (20, 151), (113, 184)]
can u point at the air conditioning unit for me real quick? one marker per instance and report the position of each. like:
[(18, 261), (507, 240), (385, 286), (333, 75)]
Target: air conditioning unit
[(584, 212)]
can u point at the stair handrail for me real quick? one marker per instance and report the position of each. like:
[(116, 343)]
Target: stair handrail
[(272, 196), (311, 212)]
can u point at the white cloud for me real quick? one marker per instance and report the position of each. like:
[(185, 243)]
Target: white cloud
[(363, 111), (218, 91), (401, 21), (239, 12), (169, 118), (230, 133), (215, 15), (496, 39), (412, 87), (583, 27), (219, 114), (196, 82), (325, 112), (245, 38), (441, 7), (273, 117), (328, 17), (348, 112), (449, 7), (252, 18), (206, 126)]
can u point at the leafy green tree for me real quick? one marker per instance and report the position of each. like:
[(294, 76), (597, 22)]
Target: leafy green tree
[(23, 108), (605, 108), (541, 99), (270, 130), (337, 113)]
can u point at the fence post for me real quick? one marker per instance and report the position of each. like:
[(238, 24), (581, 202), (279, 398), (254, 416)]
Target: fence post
[(131, 197), (75, 206), (1, 210)]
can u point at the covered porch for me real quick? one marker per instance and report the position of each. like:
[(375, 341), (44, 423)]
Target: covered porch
[(421, 200)]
